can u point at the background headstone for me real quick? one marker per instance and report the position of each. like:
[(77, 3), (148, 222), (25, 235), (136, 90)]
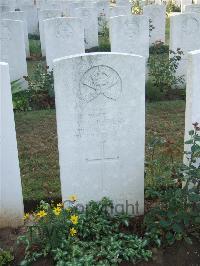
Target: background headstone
[(130, 34), (192, 113), (89, 19), (157, 16), (11, 201), (119, 10), (42, 15), (192, 8), (100, 112), (20, 15), (185, 3), (63, 37), (12, 47), (184, 34), (31, 14)]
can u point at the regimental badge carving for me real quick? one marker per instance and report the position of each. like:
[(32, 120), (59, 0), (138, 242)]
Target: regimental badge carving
[(100, 80)]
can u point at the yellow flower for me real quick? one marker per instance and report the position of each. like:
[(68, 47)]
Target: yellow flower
[(41, 214), (73, 198), (26, 216), (73, 231), (57, 211), (74, 219), (60, 205)]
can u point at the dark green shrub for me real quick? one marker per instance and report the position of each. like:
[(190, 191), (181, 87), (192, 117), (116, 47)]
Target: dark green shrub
[(6, 257), (163, 68), (40, 92), (104, 43), (172, 7), (153, 93), (177, 213)]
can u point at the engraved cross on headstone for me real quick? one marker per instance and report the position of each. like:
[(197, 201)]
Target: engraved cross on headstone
[(103, 158)]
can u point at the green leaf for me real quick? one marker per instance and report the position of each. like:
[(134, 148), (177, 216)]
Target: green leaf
[(164, 223), (188, 240), (177, 228), (191, 132), (189, 141)]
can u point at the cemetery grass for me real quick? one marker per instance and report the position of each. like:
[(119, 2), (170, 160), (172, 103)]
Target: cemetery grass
[(38, 152)]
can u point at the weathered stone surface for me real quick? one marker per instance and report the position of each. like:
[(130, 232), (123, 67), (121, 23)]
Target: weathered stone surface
[(12, 47), (185, 3), (11, 201), (31, 14), (42, 15), (130, 34), (192, 113), (63, 37), (19, 15), (157, 16), (184, 34), (89, 18), (100, 112), (192, 8)]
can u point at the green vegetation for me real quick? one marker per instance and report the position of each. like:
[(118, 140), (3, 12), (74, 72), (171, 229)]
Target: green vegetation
[(176, 215), (6, 257), (72, 234), (35, 49), (38, 152), (73, 237)]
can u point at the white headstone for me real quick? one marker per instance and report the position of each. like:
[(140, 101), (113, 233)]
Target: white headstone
[(89, 19), (43, 15), (51, 5), (119, 10), (10, 3), (123, 2), (192, 8), (185, 3), (184, 34), (192, 113), (11, 201), (12, 47), (130, 34), (4, 8), (20, 3), (100, 112), (31, 13), (63, 37), (157, 16), (20, 15)]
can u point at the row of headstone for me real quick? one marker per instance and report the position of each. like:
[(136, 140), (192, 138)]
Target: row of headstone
[(128, 34), (31, 9)]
